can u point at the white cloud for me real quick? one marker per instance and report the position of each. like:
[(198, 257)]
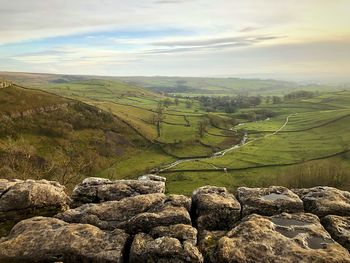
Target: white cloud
[(227, 37)]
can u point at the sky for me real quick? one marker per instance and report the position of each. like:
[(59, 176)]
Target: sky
[(295, 39)]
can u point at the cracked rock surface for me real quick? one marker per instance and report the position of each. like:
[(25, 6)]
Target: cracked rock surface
[(176, 243), (268, 201), (280, 238), (135, 221), (339, 228), (324, 200), (42, 239), (215, 208), (23, 199), (134, 214), (97, 190)]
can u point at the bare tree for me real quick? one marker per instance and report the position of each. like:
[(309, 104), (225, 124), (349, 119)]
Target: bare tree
[(202, 127), (159, 117)]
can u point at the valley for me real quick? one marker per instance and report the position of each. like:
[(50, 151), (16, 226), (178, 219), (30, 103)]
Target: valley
[(298, 142)]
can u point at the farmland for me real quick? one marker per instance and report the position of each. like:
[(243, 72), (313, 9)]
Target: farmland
[(298, 142)]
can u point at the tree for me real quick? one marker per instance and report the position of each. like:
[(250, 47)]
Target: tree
[(167, 102), (159, 117), (202, 127), (276, 100), (189, 104)]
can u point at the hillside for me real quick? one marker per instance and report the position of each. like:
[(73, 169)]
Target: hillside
[(191, 86), (137, 106), (294, 142), (214, 86), (46, 136)]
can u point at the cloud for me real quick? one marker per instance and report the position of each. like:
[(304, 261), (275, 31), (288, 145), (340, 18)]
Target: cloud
[(215, 41), (175, 37), (249, 29), (170, 1)]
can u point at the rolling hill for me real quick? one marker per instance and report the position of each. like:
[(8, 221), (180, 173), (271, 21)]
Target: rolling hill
[(47, 136), (296, 142)]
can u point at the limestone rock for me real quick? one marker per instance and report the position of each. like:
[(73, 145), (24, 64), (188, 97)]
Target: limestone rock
[(215, 208), (323, 201), (181, 232), (42, 239), (96, 190), (134, 214), (339, 228), (207, 244), (280, 238), (268, 201), (24, 199), (166, 244), (152, 177)]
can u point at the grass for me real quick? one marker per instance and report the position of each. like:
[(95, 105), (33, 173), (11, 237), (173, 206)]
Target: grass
[(318, 130), (331, 171), (17, 99)]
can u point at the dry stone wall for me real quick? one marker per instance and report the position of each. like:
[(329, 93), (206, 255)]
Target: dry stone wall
[(135, 221)]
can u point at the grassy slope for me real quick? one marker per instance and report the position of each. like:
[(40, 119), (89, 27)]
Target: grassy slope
[(299, 140), (45, 142), (136, 106)]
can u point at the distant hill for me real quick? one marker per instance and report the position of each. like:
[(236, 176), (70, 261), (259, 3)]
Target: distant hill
[(150, 86), (224, 86), (72, 85)]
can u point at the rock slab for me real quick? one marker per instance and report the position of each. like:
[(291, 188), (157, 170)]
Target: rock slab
[(98, 190), (24, 199), (214, 208), (324, 200), (339, 228), (42, 239), (176, 243), (281, 238), (134, 214), (268, 201)]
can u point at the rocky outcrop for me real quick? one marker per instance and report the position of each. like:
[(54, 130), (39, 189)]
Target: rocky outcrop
[(339, 228), (323, 201), (42, 239), (268, 201), (97, 190), (23, 199), (214, 208), (33, 111), (280, 238), (176, 243), (134, 214), (134, 221)]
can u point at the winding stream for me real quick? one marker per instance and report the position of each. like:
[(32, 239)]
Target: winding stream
[(222, 153)]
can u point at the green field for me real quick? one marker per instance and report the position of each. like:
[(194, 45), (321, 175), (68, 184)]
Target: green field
[(304, 143)]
